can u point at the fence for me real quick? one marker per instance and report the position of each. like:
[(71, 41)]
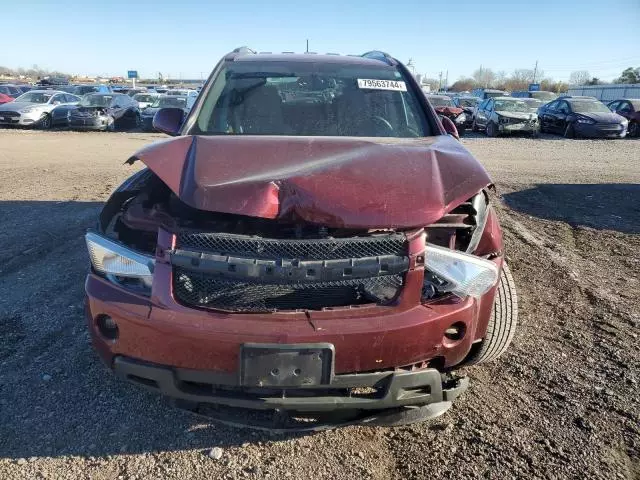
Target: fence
[(606, 93)]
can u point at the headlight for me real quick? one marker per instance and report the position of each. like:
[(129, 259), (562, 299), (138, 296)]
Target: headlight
[(585, 120), (624, 121), (461, 118), (461, 274), (118, 262)]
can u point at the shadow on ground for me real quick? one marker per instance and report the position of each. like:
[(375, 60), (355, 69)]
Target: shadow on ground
[(614, 206)]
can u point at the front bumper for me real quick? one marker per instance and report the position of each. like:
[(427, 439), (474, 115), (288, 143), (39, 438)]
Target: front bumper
[(524, 127), (393, 389), (600, 130), (20, 119), (88, 123)]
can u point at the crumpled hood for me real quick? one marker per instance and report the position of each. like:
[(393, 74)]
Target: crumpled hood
[(449, 111), (518, 115), (334, 181), (89, 111)]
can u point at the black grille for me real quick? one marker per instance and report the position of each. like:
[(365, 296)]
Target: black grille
[(316, 249), (210, 291), (10, 114)]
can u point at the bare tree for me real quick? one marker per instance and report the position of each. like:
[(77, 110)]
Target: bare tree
[(579, 77), (484, 77)]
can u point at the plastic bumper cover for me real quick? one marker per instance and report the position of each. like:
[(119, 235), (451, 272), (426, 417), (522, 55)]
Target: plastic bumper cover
[(392, 388)]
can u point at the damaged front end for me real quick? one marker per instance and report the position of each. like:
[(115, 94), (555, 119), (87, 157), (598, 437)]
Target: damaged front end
[(94, 118), (361, 254)]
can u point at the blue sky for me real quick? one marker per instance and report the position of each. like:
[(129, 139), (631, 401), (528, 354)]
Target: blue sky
[(186, 38)]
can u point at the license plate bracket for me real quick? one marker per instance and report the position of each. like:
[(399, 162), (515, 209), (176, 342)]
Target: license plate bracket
[(277, 365)]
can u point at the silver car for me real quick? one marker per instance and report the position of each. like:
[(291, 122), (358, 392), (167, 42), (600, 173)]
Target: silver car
[(37, 108), (505, 115)]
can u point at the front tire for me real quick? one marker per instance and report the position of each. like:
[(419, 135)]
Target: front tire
[(634, 130), (492, 130), (46, 122), (570, 131), (111, 125), (502, 324)]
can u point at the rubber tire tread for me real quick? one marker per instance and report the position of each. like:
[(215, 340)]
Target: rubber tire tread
[(503, 322)]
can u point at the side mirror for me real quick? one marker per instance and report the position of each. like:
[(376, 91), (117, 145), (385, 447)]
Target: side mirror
[(450, 127), (168, 120)]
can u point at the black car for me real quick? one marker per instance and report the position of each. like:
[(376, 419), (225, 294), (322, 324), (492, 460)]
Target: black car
[(581, 117), (105, 111)]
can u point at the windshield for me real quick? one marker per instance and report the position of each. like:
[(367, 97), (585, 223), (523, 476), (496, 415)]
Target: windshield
[(96, 100), (35, 97), (533, 103), (170, 101), (84, 89), (440, 101), (511, 106), (467, 102), (309, 98), (588, 106), (544, 96), (144, 97)]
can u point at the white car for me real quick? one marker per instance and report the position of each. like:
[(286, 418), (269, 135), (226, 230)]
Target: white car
[(35, 108), (145, 99)]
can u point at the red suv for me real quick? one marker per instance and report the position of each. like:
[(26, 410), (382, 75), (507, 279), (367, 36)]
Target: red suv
[(311, 249)]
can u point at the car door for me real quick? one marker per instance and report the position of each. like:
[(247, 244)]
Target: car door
[(560, 116), (483, 113), (545, 115), (117, 108)]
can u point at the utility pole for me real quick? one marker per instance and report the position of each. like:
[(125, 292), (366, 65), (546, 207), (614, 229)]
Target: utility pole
[(440, 80), (535, 72), (446, 81), (307, 46)]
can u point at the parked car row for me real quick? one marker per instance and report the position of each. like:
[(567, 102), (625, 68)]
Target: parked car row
[(93, 111), (497, 113)]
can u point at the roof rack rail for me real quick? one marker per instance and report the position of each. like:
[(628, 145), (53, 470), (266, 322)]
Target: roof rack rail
[(381, 56)]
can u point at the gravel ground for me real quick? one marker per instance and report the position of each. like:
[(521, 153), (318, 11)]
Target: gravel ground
[(562, 403)]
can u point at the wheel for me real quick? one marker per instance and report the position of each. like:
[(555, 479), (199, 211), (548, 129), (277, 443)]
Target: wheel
[(474, 127), (492, 130), (137, 121), (502, 324), (569, 132), (46, 122), (111, 124), (634, 130), (460, 130), (535, 133)]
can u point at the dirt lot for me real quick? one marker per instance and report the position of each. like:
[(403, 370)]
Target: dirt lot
[(562, 403)]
